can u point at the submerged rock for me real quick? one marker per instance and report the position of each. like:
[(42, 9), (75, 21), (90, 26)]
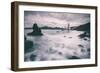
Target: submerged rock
[(32, 57), (28, 45), (88, 49), (80, 45), (73, 57), (82, 50), (36, 31), (85, 34), (60, 53)]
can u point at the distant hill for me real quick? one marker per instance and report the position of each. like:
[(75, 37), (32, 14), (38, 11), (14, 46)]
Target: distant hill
[(46, 27), (84, 27)]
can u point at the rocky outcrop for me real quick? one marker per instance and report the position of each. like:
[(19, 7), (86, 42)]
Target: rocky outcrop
[(28, 45), (36, 31)]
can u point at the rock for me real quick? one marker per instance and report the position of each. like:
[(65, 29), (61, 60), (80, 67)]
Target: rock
[(60, 53), (88, 49), (85, 38), (32, 57), (36, 31), (82, 50), (80, 45), (73, 57), (85, 34), (28, 45)]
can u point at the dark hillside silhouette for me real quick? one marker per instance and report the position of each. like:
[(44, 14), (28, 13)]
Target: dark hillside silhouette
[(85, 27)]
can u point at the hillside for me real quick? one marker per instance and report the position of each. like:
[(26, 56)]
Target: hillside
[(84, 27)]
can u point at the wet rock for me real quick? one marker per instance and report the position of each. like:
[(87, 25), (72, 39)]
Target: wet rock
[(80, 45), (88, 49), (36, 31), (28, 45), (85, 34), (82, 50), (73, 57), (32, 57), (85, 39), (60, 53)]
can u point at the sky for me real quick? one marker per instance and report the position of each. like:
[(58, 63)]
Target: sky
[(54, 19)]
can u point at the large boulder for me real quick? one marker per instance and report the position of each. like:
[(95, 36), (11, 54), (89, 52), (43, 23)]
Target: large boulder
[(36, 31), (28, 45)]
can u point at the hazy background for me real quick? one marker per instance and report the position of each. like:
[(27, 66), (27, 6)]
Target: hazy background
[(55, 19)]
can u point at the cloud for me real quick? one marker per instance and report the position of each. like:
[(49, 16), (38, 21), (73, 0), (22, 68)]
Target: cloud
[(54, 19)]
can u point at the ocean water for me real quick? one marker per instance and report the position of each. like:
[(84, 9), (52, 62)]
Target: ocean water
[(57, 45)]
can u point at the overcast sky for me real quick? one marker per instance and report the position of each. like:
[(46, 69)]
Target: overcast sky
[(54, 19)]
